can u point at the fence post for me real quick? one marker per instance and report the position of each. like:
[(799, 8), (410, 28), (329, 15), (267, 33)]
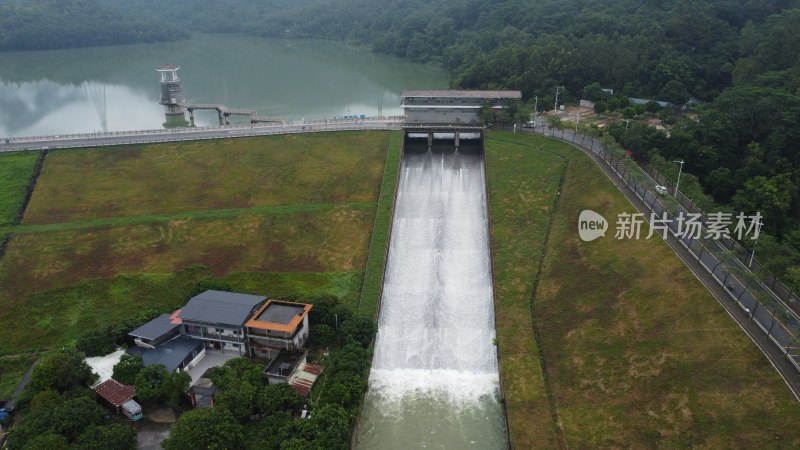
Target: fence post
[(772, 324), (746, 287)]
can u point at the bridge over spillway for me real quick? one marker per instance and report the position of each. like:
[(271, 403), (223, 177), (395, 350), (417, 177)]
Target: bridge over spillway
[(438, 132)]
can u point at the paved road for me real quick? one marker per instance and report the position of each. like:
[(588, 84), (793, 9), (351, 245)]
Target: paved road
[(736, 310), (190, 134)]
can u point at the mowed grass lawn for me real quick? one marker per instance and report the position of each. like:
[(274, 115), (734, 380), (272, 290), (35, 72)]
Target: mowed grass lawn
[(639, 354), (15, 174), (112, 231)]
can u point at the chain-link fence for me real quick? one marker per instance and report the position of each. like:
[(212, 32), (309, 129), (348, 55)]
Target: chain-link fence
[(742, 254), (766, 303)]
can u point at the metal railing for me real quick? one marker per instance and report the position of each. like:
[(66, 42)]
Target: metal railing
[(82, 140)]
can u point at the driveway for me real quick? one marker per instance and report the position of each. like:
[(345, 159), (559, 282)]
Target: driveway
[(150, 434)]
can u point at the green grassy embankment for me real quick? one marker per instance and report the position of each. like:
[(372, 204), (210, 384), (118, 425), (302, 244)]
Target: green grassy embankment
[(111, 231), (638, 352), (373, 276), (523, 182), (16, 170)]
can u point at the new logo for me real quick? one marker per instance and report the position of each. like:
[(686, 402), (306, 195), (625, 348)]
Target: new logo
[(591, 225)]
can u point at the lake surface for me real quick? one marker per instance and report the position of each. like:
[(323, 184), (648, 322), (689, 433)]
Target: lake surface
[(117, 88)]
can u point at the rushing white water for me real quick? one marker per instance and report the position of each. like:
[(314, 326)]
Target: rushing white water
[(434, 380)]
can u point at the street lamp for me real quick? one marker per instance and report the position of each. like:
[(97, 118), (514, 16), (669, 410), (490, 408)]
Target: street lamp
[(680, 169), (759, 224)]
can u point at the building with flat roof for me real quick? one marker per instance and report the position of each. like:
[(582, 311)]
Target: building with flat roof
[(278, 325), (451, 107), (218, 318)]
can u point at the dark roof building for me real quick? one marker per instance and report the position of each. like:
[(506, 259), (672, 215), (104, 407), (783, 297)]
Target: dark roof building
[(157, 331), (174, 354), (224, 308)]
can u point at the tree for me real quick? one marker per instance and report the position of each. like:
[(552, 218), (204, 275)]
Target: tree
[(600, 107), (128, 367), (151, 382), (332, 423), (115, 436), (239, 397), (237, 370), (205, 428), (47, 441), (273, 430), (594, 92), (345, 389), (629, 112), (652, 107), (327, 311), (155, 384), (62, 371), (359, 328), (322, 334), (771, 196), (95, 342), (278, 398), (75, 415), (674, 92)]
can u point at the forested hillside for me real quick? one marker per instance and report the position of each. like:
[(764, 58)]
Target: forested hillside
[(534, 44), (48, 24)]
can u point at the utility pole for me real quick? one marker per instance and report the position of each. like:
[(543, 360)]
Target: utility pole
[(753, 253), (680, 169), (559, 91)]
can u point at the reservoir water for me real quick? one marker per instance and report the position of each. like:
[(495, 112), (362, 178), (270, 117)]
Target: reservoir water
[(117, 88), (434, 381)]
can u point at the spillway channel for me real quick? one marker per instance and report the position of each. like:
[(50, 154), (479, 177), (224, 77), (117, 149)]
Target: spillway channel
[(434, 381)]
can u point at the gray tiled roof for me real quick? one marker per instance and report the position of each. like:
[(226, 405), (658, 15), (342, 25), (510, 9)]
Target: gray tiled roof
[(154, 329), (170, 353), (224, 308)]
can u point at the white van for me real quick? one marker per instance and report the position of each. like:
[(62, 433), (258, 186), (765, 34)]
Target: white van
[(132, 410)]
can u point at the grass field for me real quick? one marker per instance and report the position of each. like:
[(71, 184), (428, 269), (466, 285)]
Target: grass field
[(639, 354), (15, 174), (111, 231), (206, 175), (522, 187)]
